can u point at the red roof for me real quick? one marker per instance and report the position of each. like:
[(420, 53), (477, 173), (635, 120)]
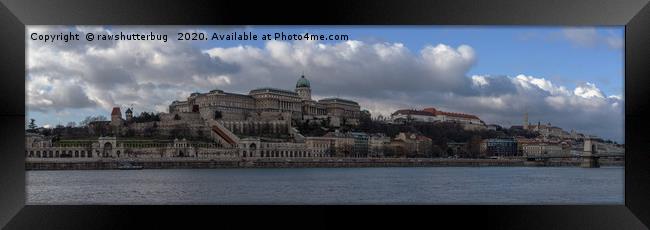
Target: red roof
[(463, 115), (413, 112), (434, 112), (431, 110), (438, 112), (116, 111)]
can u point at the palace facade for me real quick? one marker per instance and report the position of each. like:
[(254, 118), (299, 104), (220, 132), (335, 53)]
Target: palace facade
[(257, 124), (298, 103)]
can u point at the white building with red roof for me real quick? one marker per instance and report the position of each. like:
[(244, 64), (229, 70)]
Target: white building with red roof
[(468, 121)]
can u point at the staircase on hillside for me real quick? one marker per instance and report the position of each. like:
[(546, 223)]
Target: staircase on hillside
[(222, 134)]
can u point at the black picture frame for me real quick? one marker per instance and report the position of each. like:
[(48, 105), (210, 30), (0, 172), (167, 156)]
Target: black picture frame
[(633, 14)]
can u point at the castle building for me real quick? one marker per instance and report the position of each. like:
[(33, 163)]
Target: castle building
[(257, 125), (297, 103), (303, 88)]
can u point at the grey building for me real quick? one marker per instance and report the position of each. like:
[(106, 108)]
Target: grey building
[(499, 147)]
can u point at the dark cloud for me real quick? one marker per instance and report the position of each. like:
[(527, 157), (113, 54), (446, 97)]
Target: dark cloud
[(46, 94), (492, 86), (147, 74)]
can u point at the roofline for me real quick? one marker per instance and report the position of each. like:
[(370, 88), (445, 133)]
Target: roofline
[(275, 89), (338, 99)]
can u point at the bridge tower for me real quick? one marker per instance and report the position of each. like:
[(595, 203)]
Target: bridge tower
[(589, 158)]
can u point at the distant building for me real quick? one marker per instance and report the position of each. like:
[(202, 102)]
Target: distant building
[(468, 121), (321, 146), (415, 144), (542, 148), (396, 148), (378, 143), (406, 115), (521, 142), (462, 118), (361, 144), (499, 147), (36, 140), (343, 143), (548, 130)]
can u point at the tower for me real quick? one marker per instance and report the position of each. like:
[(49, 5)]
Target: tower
[(116, 117), (589, 160), (588, 148), (526, 120), (303, 88), (129, 114)]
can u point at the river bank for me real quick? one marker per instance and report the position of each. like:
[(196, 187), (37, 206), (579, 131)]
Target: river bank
[(193, 163)]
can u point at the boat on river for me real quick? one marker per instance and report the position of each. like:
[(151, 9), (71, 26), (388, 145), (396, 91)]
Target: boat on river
[(129, 166)]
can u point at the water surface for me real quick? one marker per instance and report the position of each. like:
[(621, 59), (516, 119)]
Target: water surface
[(431, 185)]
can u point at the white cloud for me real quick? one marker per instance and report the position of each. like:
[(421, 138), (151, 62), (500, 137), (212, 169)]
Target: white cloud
[(45, 93), (90, 29), (529, 82), (343, 67), (479, 81), (219, 80), (445, 58), (614, 42), (582, 36), (588, 90), (589, 37), (615, 97)]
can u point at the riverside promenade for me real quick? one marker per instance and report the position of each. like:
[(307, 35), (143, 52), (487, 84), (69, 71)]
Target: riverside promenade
[(198, 163)]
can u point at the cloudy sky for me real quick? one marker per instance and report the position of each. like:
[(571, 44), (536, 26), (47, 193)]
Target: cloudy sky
[(570, 77)]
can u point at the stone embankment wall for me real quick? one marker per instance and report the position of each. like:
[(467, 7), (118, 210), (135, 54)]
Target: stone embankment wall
[(189, 163)]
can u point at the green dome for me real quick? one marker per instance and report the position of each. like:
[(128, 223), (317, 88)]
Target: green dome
[(302, 82)]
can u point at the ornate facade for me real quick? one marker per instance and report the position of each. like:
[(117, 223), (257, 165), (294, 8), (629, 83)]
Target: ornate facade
[(297, 103), (38, 146)]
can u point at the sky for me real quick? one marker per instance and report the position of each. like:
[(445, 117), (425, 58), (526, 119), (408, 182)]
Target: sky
[(571, 77)]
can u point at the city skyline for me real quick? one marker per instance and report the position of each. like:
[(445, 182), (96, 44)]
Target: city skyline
[(384, 72)]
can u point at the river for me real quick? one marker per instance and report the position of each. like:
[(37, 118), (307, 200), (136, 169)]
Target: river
[(422, 185)]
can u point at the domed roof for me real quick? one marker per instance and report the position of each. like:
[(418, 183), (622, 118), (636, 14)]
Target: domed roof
[(302, 82)]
